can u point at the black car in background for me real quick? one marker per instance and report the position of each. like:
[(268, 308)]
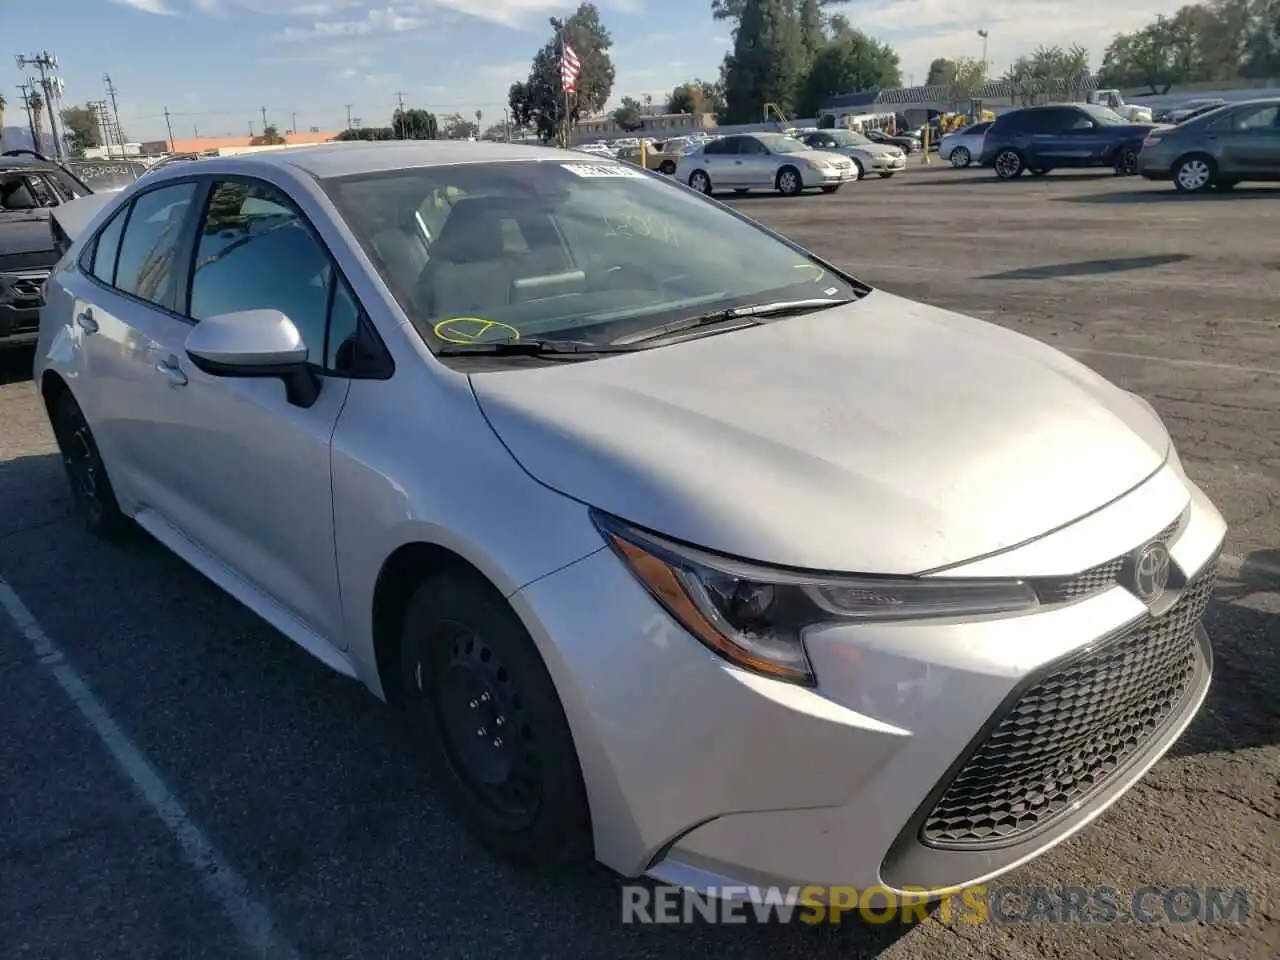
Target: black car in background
[(907, 145), (1040, 139), (30, 187)]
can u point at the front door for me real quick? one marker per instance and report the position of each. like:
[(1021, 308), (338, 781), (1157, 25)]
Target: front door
[(1251, 143)]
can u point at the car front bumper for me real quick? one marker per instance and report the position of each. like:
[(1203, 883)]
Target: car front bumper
[(903, 767), (889, 164), (828, 177), (20, 302), (1155, 163)]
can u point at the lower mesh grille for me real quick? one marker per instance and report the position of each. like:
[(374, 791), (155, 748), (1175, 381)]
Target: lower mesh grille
[(1071, 730)]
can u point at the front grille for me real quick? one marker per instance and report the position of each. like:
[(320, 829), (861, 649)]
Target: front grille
[(1096, 579), (1072, 730)]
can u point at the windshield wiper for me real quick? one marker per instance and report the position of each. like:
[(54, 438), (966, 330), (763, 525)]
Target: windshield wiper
[(530, 348), (778, 308)]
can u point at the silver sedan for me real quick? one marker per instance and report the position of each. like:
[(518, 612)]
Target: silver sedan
[(964, 146), (672, 543), (763, 161)]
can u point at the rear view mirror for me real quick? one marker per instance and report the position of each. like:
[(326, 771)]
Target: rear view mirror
[(255, 343)]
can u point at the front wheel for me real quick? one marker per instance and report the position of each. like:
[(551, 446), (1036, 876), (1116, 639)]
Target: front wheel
[(789, 182), (1008, 165), (960, 157), (831, 189), (668, 167), (480, 702), (1038, 171), (1193, 174), (887, 174), (699, 181)]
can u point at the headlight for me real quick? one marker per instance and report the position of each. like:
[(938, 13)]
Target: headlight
[(754, 616)]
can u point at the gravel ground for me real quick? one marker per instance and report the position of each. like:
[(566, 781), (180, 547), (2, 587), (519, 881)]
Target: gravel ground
[(294, 790)]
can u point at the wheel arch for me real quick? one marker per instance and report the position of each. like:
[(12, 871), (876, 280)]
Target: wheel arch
[(52, 386)]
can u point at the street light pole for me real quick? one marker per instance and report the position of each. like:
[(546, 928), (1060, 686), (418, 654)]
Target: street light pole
[(984, 35)]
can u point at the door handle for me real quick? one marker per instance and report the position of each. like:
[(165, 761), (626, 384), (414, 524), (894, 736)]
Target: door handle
[(85, 321), (171, 370)]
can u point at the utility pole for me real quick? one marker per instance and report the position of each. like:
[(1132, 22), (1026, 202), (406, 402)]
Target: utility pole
[(46, 63), (401, 124), (169, 126), (264, 119), (348, 106), (115, 111), (98, 108), (250, 129), (293, 121), (26, 89)]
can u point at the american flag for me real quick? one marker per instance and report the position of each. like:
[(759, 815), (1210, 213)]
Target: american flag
[(570, 67)]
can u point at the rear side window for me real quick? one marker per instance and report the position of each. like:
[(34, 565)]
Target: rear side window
[(147, 260), (106, 249), (717, 146)]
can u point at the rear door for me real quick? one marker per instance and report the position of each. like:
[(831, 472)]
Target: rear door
[(723, 164), (1250, 142), (756, 166)]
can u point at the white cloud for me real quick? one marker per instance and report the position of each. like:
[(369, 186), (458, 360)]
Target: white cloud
[(157, 7)]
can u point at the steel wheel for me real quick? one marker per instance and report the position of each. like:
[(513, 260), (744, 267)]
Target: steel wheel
[(700, 182), (1193, 175), (1008, 164), (789, 183), (960, 157)]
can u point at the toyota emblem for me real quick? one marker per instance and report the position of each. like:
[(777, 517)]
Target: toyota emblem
[(1151, 572)]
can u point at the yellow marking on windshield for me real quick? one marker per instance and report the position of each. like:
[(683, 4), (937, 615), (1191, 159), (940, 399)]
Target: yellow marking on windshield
[(629, 226), (468, 330), (813, 268)]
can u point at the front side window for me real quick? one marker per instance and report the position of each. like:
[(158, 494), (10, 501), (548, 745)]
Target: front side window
[(590, 250), (782, 144), (254, 251), (147, 260)]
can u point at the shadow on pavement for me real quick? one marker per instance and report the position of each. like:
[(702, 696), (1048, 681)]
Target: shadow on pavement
[(1242, 709), (16, 364), (1088, 268), (1165, 193)]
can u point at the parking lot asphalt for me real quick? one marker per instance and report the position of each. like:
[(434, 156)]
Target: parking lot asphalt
[(177, 780)]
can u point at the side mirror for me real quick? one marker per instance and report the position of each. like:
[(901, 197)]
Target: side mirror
[(255, 343)]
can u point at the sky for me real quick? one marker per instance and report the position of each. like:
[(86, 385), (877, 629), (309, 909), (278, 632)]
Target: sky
[(216, 63)]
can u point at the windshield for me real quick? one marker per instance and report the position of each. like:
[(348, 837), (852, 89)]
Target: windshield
[(778, 143), (107, 175), (1104, 115), (847, 138), (588, 250)]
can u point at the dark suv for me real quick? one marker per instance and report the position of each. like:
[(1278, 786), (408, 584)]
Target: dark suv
[(30, 186), (1040, 139)]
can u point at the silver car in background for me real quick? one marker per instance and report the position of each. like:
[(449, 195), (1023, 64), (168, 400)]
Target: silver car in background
[(867, 155), (763, 161), (962, 147), (670, 542)]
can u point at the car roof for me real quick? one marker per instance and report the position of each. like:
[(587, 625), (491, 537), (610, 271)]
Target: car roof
[(372, 156), (21, 160)]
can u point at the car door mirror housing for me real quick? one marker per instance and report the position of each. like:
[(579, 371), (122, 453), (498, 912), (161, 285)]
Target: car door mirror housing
[(255, 343)]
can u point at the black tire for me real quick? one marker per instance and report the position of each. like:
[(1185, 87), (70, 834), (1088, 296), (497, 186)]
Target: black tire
[(960, 157), (700, 181), (1125, 162), (469, 670), (1225, 184), (885, 175), (1038, 171), (667, 166), (741, 190), (789, 182), (1008, 164), (1194, 173), (92, 496), (857, 165), (832, 188)]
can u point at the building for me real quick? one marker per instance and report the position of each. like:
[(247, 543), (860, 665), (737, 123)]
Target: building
[(648, 124), (228, 146), (929, 100)]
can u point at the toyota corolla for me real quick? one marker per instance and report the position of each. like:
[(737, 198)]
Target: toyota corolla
[(674, 544)]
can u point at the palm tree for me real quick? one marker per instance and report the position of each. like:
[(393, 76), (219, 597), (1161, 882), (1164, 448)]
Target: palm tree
[(36, 103), (3, 103)]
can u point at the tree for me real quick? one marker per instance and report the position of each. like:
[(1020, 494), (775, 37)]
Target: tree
[(36, 103), (495, 132), (767, 63), (941, 72), (414, 124), (812, 36), (967, 75), (81, 128), (539, 101), (3, 103), (271, 135), (629, 114), (1047, 74), (696, 96), (849, 61), (457, 127)]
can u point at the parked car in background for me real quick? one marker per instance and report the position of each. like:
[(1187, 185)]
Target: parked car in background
[(1219, 149), (867, 155), (964, 146), (907, 143), (107, 176), (595, 149), (1189, 109), (1040, 139), (763, 161), (671, 543), (31, 187)]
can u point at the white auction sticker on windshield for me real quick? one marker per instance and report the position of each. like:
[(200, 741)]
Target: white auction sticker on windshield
[(601, 170)]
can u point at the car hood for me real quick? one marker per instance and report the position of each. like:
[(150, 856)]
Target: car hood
[(885, 436), (25, 233)]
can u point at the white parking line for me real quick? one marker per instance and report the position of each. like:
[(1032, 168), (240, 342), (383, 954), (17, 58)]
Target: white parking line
[(1210, 364), (220, 879)]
